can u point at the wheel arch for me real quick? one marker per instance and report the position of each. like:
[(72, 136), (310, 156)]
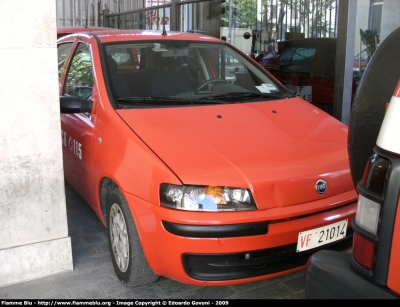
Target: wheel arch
[(106, 186)]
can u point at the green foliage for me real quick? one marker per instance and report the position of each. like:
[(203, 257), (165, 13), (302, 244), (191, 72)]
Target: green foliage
[(244, 12), (80, 72), (370, 40)]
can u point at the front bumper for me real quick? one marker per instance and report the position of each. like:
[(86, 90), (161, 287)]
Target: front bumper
[(224, 248), (330, 275), (248, 264)]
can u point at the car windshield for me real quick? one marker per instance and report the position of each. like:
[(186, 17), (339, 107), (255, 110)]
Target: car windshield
[(164, 73)]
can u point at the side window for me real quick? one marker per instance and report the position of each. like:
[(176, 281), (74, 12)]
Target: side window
[(63, 51), (79, 81)]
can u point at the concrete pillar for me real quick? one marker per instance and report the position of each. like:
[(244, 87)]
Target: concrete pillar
[(344, 60), (34, 239)]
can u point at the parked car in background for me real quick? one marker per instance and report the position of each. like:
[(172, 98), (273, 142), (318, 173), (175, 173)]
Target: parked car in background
[(309, 64), (202, 166)]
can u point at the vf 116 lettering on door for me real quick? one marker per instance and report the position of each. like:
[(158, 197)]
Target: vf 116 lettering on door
[(74, 146)]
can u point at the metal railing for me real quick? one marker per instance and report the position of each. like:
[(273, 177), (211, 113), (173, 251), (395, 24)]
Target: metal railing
[(90, 12), (270, 20), (145, 18)]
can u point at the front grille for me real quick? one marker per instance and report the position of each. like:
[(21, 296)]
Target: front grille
[(217, 267)]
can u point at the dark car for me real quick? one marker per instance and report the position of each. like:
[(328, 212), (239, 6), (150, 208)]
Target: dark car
[(308, 64)]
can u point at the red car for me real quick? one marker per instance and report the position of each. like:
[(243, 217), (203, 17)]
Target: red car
[(308, 64), (202, 166)]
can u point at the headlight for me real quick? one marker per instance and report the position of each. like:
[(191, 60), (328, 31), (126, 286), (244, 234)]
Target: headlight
[(206, 198)]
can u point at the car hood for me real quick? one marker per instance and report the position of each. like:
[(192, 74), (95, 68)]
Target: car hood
[(277, 149)]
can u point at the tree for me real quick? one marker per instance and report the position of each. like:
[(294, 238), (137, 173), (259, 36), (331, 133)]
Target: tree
[(243, 13), (370, 39), (313, 17)]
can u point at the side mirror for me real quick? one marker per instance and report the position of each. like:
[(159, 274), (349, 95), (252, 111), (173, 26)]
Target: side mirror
[(71, 104)]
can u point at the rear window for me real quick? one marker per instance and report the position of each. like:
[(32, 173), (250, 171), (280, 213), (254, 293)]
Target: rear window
[(297, 60)]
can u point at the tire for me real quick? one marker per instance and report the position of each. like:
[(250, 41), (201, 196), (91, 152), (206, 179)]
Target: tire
[(127, 255)]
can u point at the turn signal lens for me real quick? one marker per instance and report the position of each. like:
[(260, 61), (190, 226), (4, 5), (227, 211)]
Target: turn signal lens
[(363, 252), (367, 216)]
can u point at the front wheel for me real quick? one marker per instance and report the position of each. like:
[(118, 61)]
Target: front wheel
[(127, 255)]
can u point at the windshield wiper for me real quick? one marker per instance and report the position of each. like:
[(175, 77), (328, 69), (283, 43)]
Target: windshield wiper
[(167, 100), (213, 99), (235, 96), (154, 100)]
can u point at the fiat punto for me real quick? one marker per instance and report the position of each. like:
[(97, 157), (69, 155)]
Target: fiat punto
[(203, 167)]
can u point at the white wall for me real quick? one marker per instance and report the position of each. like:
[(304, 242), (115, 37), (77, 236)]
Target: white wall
[(390, 17), (34, 238), (363, 7)]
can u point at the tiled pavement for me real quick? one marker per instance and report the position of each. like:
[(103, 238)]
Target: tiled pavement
[(93, 276)]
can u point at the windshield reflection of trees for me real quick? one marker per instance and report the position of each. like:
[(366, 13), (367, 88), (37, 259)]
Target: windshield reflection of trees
[(80, 77)]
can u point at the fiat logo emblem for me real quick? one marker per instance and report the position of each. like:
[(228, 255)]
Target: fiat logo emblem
[(321, 186)]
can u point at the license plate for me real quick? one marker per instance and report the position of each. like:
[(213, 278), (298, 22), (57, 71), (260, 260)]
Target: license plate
[(320, 236), (305, 92)]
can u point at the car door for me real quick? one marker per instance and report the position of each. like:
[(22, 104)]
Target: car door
[(77, 129)]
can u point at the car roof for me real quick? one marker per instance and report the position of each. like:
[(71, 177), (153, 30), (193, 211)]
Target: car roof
[(109, 35), (75, 29)]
